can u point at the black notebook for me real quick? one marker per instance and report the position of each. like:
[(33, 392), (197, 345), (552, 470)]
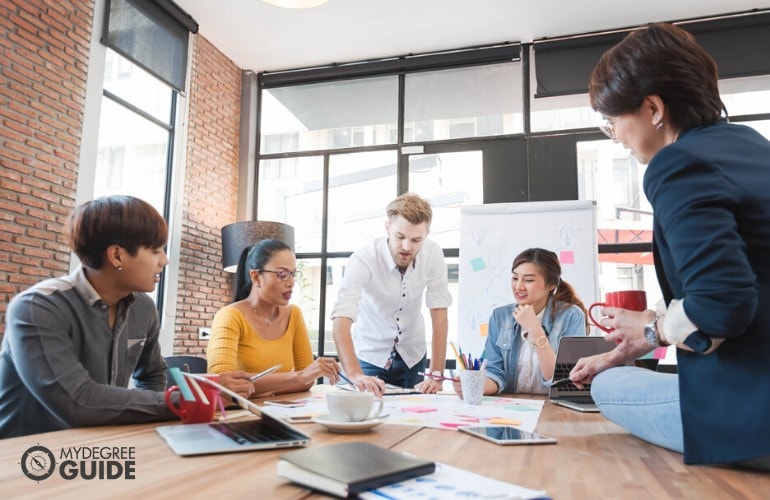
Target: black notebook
[(348, 469)]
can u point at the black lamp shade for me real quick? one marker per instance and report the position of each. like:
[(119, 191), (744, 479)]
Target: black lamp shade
[(239, 235)]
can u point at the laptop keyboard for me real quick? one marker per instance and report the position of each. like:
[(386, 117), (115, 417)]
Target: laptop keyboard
[(562, 371), (255, 431)]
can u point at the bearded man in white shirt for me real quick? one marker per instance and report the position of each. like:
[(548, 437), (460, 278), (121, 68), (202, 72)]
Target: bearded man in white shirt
[(377, 320)]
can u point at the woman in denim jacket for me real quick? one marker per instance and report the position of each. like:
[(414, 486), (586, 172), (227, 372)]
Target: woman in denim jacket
[(524, 336)]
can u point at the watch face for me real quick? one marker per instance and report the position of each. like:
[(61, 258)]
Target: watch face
[(37, 463), (650, 334)]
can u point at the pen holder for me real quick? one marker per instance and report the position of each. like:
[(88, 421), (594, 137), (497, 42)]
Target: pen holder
[(472, 384), (197, 411)]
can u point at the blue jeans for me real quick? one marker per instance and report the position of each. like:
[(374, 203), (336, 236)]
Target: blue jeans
[(644, 402), (398, 374)]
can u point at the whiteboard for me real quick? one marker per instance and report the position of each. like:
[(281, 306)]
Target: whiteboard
[(492, 235)]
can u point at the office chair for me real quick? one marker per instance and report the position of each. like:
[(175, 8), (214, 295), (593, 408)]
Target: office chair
[(191, 364)]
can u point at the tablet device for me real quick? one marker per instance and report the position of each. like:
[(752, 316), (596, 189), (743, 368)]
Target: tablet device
[(506, 434)]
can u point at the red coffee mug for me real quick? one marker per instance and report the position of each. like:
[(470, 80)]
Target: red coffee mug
[(633, 300), (195, 412)]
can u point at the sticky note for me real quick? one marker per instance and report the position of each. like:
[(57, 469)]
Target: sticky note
[(520, 408), (567, 257), (184, 388), (453, 425), (504, 421), (419, 409), (483, 329), (478, 264)]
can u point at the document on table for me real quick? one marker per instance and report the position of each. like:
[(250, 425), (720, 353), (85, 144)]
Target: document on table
[(434, 410), (451, 482)]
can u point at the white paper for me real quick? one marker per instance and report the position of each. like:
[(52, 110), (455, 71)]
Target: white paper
[(452, 482)]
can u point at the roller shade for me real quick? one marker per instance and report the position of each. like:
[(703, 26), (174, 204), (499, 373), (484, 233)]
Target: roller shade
[(737, 44), (153, 34), (394, 65)]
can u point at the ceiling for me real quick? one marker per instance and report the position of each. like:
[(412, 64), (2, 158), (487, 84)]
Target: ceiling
[(261, 37)]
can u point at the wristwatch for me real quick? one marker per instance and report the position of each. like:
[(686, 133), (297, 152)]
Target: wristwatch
[(651, 331)]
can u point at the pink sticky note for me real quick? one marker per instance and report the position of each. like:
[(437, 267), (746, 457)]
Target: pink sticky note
[(419, 409), (453, 425), (567, 257)]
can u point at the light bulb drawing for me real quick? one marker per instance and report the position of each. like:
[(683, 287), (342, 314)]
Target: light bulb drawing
[(478, 236), (567, 233), (473, 319)]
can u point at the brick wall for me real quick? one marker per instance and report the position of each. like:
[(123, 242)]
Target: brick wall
[(210, 200), (44, 50)]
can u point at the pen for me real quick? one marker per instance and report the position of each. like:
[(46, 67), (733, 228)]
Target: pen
[(435, 377), (343, 377), (263, 373), (561, 382)]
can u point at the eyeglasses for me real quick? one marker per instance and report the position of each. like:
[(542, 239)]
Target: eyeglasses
[(609, 128), (283, 274)]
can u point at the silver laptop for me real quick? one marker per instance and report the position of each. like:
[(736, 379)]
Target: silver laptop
[(266, 433), (571, 349)]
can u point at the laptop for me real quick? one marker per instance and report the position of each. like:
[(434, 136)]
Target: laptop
[(571, 349), (266, 433)]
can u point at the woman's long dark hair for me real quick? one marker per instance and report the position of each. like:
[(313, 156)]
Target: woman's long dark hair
[(548, 263), (254, 257)]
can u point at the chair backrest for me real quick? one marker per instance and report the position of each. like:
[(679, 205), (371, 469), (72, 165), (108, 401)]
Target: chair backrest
[(193, 364)]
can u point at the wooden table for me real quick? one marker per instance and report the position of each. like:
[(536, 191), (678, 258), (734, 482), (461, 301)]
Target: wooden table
[(593, 459)]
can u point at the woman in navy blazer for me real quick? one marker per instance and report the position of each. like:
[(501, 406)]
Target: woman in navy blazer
[(709, 185)]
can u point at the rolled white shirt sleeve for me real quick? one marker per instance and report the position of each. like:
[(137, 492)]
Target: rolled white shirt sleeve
[(677, 326)]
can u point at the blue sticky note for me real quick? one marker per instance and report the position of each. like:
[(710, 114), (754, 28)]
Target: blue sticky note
[(187, 394), (478, 264)]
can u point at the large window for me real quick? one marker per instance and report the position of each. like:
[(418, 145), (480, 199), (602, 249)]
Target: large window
[(330, 115), (135, 133), (480, 101)]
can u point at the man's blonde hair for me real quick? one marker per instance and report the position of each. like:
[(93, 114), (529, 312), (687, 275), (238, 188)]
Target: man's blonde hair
[(411, 207)]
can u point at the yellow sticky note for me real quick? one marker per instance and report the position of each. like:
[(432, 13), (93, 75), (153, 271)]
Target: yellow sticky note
[(483, 329), (504, 421)]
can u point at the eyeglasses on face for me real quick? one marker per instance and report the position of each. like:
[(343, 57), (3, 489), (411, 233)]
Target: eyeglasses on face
[(283, 274), (609, 127)]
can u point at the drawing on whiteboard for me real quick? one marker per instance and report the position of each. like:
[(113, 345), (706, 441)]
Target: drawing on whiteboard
[(566, 233)]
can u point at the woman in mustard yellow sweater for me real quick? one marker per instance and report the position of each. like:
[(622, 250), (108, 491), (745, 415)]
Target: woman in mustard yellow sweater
[(261, 329)]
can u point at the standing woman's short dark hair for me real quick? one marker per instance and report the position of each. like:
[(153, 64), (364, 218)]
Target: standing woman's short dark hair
[(254, 257), (662, 60), (114, 220), (548, 263)]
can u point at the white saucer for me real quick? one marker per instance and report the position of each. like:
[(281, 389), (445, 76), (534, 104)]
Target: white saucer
[(348, 427)]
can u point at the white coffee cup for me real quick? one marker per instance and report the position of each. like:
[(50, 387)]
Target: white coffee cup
[(349, 406)]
